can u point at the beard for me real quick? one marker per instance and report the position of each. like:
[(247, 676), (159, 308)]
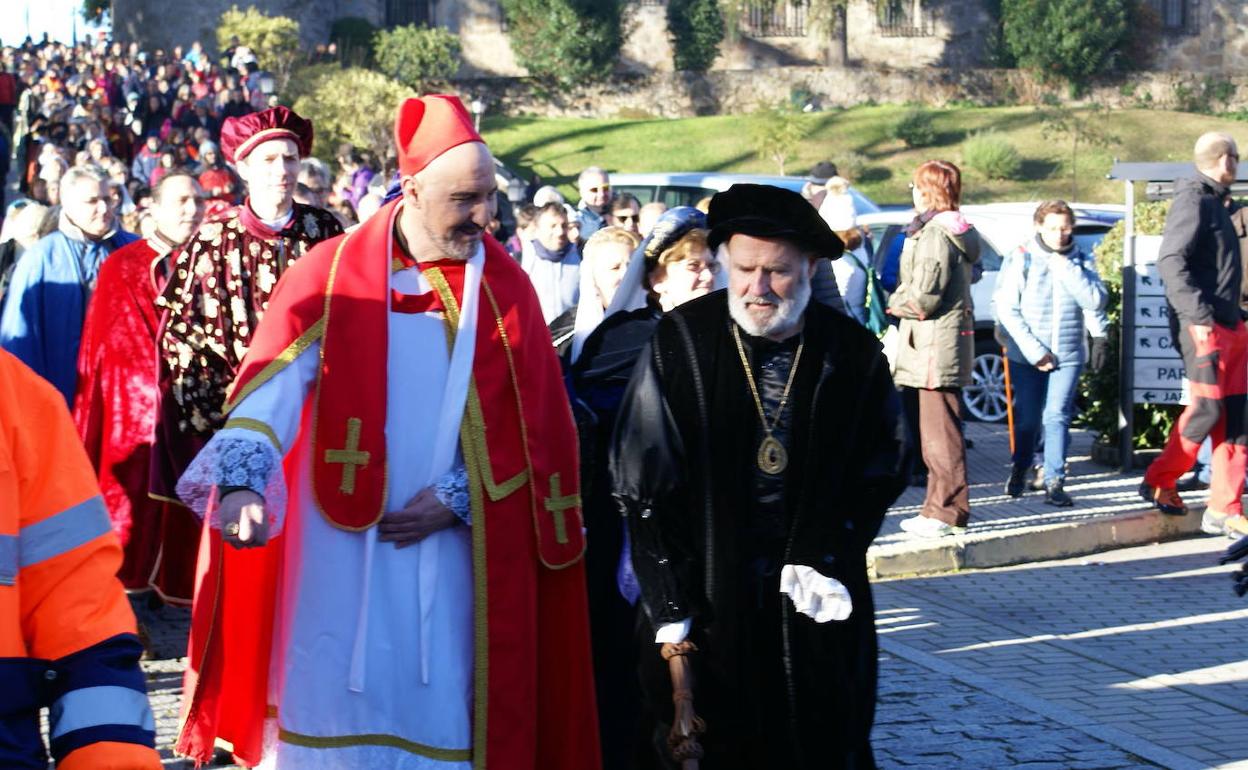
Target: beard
[(462, 248), (786, 315)]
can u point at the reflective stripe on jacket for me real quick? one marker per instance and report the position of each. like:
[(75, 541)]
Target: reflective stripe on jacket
[(67, 635)]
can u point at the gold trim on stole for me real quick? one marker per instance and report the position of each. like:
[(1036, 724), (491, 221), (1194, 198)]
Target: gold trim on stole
[(247, 423), (283, 359), (316, 408)]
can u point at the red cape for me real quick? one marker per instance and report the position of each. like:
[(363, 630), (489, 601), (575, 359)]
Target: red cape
[(115, 411), (534, 702)]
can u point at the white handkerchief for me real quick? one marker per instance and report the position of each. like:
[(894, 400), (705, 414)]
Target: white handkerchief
[(814, 595)]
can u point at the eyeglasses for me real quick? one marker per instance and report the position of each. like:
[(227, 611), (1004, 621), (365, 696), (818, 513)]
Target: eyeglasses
[(626, 217), (600, 188)]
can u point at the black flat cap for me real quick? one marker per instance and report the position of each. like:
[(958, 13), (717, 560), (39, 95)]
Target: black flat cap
[(764, 211)]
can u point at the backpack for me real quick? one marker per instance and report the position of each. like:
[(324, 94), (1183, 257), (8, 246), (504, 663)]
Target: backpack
[(875, 303)]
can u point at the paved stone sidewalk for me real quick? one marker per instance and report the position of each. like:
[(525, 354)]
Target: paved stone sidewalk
[(984, 731), (1140, 648)]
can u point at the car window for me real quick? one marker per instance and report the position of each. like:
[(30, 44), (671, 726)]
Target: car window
[(1088, 237), (643, 193), (989, 257), (675, 196)]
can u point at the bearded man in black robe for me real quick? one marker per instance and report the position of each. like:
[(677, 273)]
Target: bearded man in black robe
[(757, 448)]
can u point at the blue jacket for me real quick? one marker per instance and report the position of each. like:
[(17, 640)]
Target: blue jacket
[(46, 303), (1045, 300)]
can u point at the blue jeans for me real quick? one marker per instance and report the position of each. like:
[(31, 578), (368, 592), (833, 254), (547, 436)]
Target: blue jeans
[(1048, 399)]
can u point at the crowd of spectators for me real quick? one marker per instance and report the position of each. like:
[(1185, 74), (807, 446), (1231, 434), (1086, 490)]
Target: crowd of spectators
[(138, 115)]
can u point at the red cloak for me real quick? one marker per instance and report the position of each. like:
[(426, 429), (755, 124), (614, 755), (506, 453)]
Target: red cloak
[(533, 702), (115, 411)]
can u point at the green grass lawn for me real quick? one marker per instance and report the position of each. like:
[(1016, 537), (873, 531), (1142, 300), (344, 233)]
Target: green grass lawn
[(557, 148)]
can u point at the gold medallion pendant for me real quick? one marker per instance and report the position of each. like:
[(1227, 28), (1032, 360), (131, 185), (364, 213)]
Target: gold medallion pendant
[(773, 458)]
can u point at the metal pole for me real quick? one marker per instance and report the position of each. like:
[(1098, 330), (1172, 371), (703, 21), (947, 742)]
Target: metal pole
[(1126, 338)]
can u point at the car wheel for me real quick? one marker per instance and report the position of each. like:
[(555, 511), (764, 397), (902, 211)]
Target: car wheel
[(984, 398)]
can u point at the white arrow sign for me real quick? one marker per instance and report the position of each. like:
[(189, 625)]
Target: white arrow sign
[(1159, 396), (1153, 342), (1158, 374), (1148, 282), (1152, 311)]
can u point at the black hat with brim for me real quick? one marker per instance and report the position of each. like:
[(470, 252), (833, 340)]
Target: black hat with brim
[(765, 211)]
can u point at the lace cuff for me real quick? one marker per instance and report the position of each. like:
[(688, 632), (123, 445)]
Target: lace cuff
[(452, 491), (235, 457)]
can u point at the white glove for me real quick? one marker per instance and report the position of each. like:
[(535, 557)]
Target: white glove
[(815, 595)]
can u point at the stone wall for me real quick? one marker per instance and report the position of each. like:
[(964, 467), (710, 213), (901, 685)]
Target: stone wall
[(1216, 43), (683, 94), (164, 24)]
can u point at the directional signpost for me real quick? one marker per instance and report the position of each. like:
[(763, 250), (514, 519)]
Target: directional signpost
[(1150, 371), (1156, 365)]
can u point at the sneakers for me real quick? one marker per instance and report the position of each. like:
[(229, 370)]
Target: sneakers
[(1036, 484), (1018, 479), (1235, 527), (1055, 495), (924, 526), (1214, 522), (1166, 500)]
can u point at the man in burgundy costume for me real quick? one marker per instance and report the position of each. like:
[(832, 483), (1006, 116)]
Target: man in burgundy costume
[(221, 283)]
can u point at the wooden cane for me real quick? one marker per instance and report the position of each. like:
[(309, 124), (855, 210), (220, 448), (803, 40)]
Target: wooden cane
[(1009, 399), (682, 739)]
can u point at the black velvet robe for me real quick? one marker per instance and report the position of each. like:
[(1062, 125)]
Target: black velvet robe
[(777, 689)]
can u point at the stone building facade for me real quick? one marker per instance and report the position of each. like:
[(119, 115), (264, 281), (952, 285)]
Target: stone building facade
[(1207, 36)]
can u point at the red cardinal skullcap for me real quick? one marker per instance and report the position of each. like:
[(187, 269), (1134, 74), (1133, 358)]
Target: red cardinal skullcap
[(239, 136), (429, 126)]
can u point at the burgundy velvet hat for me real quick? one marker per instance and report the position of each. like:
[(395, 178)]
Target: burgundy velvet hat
[(239, 136)]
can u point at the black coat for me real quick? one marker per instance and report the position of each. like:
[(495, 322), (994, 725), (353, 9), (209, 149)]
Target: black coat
[(776, 688), (1199, 259)]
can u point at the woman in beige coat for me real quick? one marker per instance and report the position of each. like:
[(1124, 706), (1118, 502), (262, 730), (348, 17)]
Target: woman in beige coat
[(933, 301)]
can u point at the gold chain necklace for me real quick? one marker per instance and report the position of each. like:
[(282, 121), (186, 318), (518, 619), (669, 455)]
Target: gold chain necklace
[(773, 458)]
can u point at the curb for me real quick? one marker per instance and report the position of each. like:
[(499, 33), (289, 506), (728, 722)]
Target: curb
[(1003, 548)]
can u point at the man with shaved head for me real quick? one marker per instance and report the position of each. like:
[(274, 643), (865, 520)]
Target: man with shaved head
[(396, 490), (1200, 264)]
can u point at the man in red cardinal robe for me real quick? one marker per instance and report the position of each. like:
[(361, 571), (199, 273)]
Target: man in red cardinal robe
[(115, 408), (393, 572), (221, 282)]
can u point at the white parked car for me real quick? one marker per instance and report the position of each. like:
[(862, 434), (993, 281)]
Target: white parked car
[(1001, 227), (686, 188)]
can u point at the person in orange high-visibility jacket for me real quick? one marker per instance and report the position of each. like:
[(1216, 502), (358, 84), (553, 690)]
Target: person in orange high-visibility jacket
[(67, 634)]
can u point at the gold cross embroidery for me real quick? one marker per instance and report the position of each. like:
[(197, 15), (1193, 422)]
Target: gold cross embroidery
[(557, 503), (349, 456)]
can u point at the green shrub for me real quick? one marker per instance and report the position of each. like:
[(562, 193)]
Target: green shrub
[(1072, 40), (696, 28), (416, 56), (332, 102), (566, 42), (354, 38), (851, 164), (915, 128), (273, 39), (777, 132), (992, 156)]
